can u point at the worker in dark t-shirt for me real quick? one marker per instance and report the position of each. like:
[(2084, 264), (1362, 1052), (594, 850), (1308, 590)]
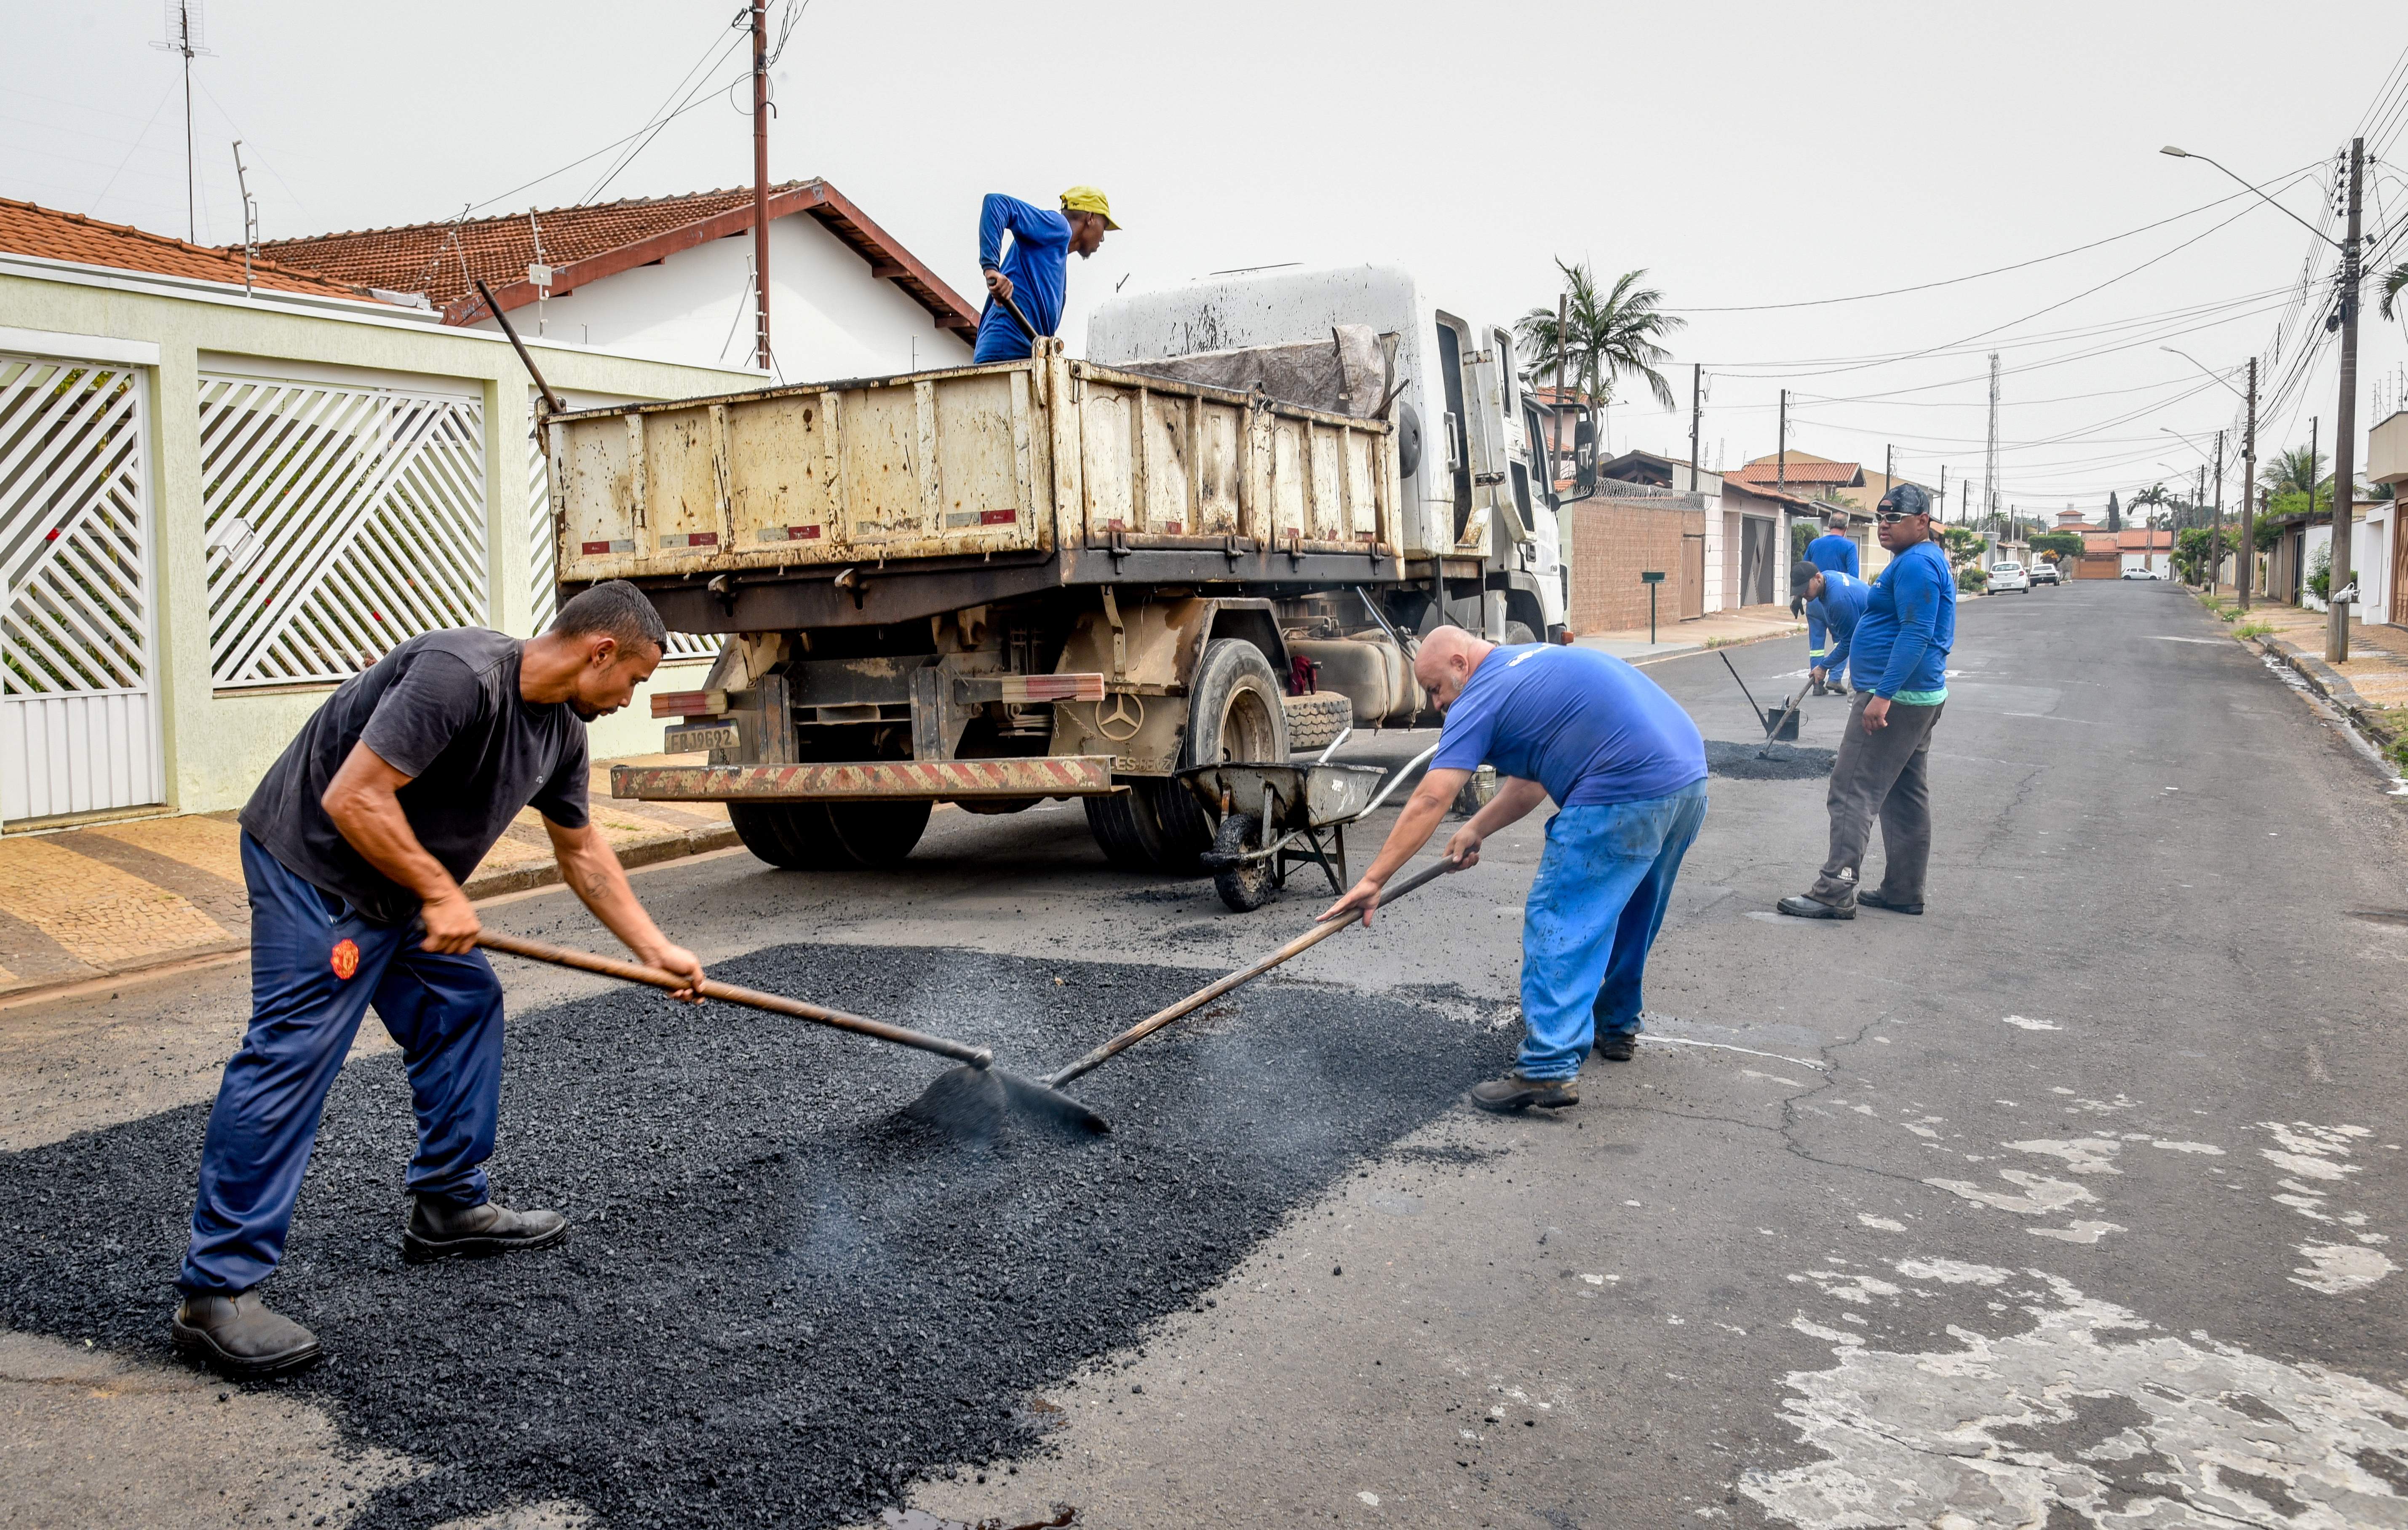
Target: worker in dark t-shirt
[(353, 850)]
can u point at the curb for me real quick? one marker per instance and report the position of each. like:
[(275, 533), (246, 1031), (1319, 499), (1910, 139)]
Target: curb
[(644, 853), (2331, 685), (1716, 648)]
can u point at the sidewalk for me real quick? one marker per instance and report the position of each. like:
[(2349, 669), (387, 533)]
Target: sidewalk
[(2372, 686), (118, 897), (1750, 625)]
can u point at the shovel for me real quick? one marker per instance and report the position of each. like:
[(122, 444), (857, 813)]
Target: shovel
[(1781, 724), (1042, 1094), (983, 1079)]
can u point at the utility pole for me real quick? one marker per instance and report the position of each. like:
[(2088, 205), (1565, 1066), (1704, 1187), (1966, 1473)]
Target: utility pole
[(2248, 490), (1889, 468), (1990, 471), (2198, 497), (1943, 493), (2216, 534), (2345, 422), (2314, 421), (761, 183), (1696, 419), (1781, 460)]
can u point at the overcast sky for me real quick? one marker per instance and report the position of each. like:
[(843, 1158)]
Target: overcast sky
[(1743, 155)]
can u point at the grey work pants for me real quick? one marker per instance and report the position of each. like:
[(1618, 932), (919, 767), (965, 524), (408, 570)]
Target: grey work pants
[(1882, 774)]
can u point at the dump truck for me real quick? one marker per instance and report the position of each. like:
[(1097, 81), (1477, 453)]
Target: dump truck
[(1216, 539)]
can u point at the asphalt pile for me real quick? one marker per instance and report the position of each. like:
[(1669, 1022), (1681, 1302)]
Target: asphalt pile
[(1763, 761), (781, 1299)]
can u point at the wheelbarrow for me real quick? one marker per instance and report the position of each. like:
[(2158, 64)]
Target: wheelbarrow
[(1268, 818)]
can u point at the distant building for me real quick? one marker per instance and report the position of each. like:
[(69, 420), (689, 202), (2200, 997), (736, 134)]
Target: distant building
[(671, 277)]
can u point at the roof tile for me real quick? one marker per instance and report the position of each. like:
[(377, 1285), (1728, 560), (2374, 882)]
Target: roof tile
[(29, 229)]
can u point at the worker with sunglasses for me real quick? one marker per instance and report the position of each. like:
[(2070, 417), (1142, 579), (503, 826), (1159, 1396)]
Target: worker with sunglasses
[(1899, 659)]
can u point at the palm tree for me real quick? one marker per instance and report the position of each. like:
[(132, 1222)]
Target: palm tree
[(1603, 338), (2297, 470), (2394, 282), (2152, 499)]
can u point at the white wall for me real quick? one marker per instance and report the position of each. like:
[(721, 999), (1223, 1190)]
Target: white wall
[(1714, 552), (2370, 547), (829, 317)]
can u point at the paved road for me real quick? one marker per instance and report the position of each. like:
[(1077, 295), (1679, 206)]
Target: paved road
[(2074, 1200)]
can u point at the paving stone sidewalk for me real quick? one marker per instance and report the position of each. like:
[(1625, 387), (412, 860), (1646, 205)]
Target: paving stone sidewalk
[(121, 897)]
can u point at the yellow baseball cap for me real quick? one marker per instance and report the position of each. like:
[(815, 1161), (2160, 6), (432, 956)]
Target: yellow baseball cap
[(1088, 199)]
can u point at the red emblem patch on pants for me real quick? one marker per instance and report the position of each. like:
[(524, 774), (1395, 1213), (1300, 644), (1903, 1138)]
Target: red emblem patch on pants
[(347, 958)]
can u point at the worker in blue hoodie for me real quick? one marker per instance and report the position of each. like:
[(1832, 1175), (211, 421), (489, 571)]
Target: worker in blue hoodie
[(1899, 658), (1833, 551), (1034, 272), (1835, 600)]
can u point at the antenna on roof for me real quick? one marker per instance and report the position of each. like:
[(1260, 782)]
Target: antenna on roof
[(250, 217), (186, 32)]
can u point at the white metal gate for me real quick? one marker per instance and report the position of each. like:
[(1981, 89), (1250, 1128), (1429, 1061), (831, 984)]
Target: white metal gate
[(342, 520), (79, 714)]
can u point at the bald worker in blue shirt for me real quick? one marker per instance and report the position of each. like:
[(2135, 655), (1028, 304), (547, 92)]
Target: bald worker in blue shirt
[(1626, 769)]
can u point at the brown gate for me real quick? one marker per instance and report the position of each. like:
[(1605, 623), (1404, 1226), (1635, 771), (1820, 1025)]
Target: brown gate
[(1693, 575)]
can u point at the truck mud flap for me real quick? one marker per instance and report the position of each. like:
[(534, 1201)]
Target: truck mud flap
[(889, 780)]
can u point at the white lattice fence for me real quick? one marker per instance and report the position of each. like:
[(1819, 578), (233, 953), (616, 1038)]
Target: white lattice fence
[(543, 566), (79, 724), (341, 521)]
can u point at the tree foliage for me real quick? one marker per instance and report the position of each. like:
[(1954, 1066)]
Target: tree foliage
[(2065, 544), (1605, 337), (2114, 512), (2296, 470)]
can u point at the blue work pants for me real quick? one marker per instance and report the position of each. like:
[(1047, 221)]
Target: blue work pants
[(1599, 899), (307, 993), (1819, 639)]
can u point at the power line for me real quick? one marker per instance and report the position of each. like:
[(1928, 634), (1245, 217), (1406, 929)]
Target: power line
[(1998, 270)]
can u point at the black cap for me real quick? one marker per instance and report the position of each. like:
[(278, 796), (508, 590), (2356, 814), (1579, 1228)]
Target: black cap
[(1905, 499)]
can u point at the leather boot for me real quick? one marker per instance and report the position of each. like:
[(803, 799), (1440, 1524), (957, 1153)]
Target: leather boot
[(440, 1229), (1515, 1092), (241, 1336)]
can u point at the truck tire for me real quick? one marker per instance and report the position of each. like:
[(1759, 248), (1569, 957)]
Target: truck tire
[(1315, 719), (829, 836), (1235, 711), (1519, 633)]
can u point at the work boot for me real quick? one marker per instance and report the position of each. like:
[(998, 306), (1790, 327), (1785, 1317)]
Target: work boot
[(1880, 899), (1810, 908), (438, 1229), (1617, 1045), (239, 1335), (1515, 1092)]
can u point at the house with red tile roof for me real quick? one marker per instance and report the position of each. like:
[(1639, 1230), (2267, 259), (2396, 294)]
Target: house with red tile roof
[(27, 228), (671, 277)]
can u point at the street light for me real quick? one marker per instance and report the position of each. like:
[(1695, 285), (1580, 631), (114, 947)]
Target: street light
[(2203, 366), (2351, 249)]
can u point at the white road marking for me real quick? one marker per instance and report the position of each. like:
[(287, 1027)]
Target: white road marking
[(2211, 642), (2022, 1024), (1947, 1439), (2337, 1269), (1883, 1223), (2052, 717), (2045, 1194), (2082, 1155), (2189, 1147), (2078, 1232)]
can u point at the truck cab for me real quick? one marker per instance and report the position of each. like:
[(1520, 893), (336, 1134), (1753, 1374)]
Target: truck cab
[(1481, 510)]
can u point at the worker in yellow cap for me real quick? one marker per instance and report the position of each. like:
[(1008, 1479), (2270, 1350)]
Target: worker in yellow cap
[(1033, 273)]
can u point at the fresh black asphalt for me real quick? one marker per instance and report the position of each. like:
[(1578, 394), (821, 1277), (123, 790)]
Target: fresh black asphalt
[(780, 1299)]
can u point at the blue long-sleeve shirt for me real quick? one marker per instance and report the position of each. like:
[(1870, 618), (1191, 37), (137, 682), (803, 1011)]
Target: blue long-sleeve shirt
[(1908, 627), (1035, 266), (1832, 550), (1840, 606)]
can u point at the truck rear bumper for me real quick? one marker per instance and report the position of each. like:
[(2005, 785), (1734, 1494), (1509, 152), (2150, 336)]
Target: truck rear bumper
[(941, 781)]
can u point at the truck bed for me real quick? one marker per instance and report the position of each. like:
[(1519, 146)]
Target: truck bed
[(1002, 463)]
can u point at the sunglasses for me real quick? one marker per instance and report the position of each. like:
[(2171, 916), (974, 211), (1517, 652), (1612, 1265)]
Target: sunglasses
[(1886, 517)]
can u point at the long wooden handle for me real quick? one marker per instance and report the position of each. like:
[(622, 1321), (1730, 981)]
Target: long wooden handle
[(776, 1004), (1202, 996)]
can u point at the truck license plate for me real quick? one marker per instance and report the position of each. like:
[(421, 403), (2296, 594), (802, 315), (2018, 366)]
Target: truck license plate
[(694, 739)]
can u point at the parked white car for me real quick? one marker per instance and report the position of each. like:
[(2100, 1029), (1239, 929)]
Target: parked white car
[(2009, 576), (2046, 573), (2137, 574)]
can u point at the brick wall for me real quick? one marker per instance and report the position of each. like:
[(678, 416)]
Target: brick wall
[(1613, 542)]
